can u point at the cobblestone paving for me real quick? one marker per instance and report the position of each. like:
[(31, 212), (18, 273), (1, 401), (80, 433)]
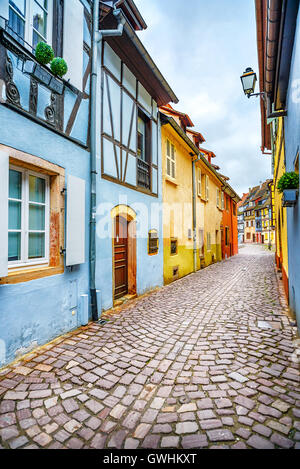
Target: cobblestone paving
[(188, 366)]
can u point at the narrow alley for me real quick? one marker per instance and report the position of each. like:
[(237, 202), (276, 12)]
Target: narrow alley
[(208, 361)]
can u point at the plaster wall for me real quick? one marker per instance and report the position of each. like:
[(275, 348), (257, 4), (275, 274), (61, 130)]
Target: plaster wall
[(292, 148), (26, 319)]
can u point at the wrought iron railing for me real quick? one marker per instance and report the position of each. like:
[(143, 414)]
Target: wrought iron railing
[(143, 174)]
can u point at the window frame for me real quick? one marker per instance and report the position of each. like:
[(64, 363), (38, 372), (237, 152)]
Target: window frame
[(28, 22), (24, 261)]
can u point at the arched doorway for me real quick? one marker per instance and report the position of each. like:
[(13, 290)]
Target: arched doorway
[(124, 251)]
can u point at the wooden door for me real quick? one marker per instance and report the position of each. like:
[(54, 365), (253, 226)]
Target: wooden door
[(121, 257)]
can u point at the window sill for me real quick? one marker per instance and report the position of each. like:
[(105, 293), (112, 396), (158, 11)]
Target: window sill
[(171, 181), (26, 275)]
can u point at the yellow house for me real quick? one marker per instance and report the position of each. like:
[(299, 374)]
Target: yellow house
[(279, 213), (193, 201), (178, 152), (209, 193)]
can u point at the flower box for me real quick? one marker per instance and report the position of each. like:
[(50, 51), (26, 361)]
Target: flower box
[(290, 197), (43, 76)]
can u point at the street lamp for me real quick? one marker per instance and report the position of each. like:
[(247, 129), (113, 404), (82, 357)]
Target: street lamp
[(249, 80)]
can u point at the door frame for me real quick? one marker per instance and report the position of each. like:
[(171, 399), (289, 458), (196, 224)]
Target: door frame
[(128, 214)]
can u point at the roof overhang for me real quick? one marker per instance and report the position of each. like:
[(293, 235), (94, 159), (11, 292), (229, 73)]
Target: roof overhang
[(165, 120), (275, 26), (132, 52)]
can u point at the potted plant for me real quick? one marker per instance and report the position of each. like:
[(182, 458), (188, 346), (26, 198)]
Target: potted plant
[(44, 53), (288, 185), (59, 67)]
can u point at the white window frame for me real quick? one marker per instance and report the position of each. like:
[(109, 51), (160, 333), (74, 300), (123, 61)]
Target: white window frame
[(171, 158), (24, 261), (28, 33)]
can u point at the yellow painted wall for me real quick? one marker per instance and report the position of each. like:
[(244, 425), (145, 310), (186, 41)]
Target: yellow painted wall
[(177, 211), (212, 216), (280, 212)]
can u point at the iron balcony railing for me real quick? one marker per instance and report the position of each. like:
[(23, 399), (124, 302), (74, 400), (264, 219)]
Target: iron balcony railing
[(143, 174)]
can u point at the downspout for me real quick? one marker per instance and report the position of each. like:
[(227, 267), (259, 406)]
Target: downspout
[(194, 211), (97, 38)]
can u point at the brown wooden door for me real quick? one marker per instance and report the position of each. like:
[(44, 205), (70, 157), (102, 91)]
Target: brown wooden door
[(121, 257)]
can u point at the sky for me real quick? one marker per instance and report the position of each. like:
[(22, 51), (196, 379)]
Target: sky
[(202, 47)]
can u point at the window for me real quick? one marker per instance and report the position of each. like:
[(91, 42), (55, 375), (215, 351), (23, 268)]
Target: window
[(144, 150), (227, 204), (153, 242), (144, 137), (141, 138), (30, 20), (234, 209), (28, 225), (171, 160), (174, 243), (208, 239)]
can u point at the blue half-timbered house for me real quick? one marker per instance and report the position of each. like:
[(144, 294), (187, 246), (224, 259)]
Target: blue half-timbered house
[(44, 173)]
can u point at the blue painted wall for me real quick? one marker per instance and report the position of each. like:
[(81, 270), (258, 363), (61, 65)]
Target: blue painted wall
[(149, 268), (26, 319), (292, 147)]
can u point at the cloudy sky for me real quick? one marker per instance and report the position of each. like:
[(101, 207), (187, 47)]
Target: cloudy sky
[(202, 47)]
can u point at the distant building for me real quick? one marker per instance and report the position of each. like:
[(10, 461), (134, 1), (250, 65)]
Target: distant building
[(255, 216)]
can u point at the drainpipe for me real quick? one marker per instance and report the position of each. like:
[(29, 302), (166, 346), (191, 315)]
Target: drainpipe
[(97, 38), (194, 210)]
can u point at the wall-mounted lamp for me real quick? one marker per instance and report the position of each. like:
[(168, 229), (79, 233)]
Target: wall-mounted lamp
[(249, 80)]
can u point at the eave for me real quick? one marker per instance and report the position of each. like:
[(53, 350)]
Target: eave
[(167, 120)]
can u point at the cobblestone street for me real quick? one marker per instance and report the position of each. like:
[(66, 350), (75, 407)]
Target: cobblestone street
[(205, 362)]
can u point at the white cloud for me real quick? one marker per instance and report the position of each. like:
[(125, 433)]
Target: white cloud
[(202, 48)]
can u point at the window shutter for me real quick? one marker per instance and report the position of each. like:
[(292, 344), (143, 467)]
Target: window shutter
[(58, 20), (206, 188), (73, 42), (199, 182), (75, 243), (4, 162)]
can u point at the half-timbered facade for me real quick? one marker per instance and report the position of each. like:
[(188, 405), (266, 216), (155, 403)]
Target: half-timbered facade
[(44, 172), (129, 246)]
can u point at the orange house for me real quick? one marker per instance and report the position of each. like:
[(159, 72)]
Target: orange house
[(229, 227)]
